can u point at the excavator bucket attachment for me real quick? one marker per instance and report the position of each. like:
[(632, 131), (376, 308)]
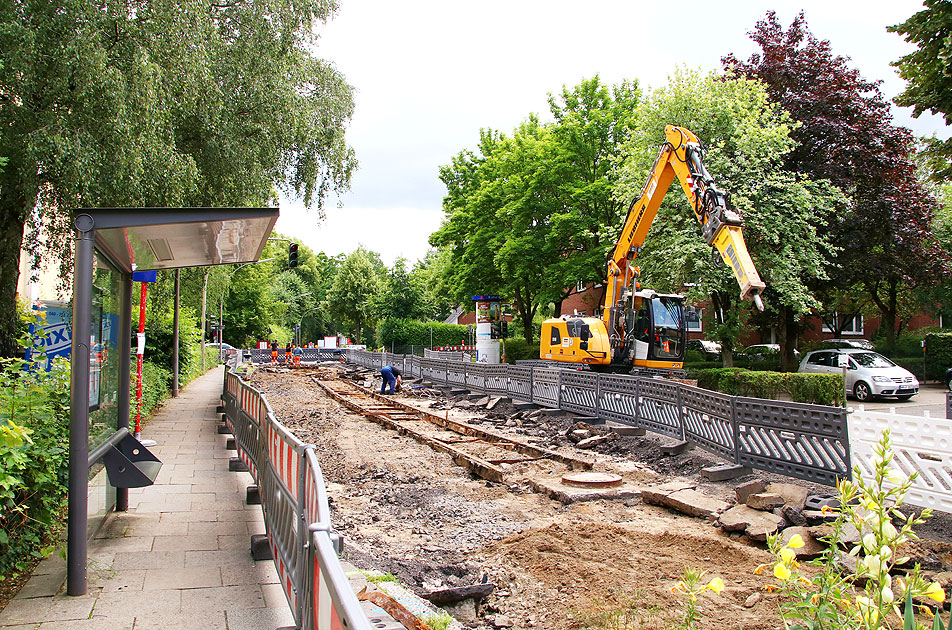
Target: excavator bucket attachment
[(729, 241)]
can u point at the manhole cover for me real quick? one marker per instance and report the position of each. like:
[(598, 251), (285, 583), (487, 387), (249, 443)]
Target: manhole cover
[(591, 480)]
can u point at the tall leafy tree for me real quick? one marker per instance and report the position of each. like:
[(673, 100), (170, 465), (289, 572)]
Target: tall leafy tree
[(159, 103), (351, 296), (846, 136), (591, 121), (747, 138), (927, 69)]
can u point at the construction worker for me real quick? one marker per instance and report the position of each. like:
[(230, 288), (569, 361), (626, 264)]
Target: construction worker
[(287, 354), (274, 352), (391, 376), (298, 352)]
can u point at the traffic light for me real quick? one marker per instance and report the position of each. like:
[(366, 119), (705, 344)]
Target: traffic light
[(504, 329), (292, 255)]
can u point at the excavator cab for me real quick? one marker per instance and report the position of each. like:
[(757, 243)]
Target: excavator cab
[(657, 334)]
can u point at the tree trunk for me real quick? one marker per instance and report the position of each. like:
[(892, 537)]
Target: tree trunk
[(788, 339), (887, 310), (12, 213), (558, 308)]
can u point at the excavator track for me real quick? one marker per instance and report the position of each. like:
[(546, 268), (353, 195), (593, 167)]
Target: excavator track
[(488, 454)]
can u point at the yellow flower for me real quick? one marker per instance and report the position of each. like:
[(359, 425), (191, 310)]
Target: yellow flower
[(826, 509), (716, 585), (805, 582), (815, 599), (770, 588), (936, 592), (787, 555), (925, 610), (759, 570), (796, 542), (781, 572)]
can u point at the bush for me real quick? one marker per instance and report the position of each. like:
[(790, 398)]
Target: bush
[(517, 349), (818, 389), (938, 355), (407, 332), (155, 388), (34, 452)]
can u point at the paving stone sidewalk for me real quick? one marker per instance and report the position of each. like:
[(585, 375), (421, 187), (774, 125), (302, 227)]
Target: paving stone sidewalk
[(180, 557)]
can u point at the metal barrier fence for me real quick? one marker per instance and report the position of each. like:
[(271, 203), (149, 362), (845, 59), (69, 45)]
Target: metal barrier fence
[(297, 517), (809, 442)]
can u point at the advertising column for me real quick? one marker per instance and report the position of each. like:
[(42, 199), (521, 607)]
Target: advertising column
[(488, 315)]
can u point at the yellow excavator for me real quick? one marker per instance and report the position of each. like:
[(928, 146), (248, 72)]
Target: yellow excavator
[(640, 328)]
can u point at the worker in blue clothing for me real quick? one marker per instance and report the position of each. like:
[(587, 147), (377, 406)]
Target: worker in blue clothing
[(391, 376)]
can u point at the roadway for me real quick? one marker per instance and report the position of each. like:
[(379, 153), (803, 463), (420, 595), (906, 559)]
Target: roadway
[(931, 398)]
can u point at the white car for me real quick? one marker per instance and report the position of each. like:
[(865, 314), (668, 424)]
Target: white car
[(868, 374)]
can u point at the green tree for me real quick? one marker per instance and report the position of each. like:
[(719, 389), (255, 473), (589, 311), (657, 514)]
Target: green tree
[(400, 297), (351, 296), (159, 104), (746, 138), (927, 70), (591, 121), (883, 236)]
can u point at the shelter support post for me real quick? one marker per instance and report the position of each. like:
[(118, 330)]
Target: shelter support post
[(125, 356), (175, 339), (79, 409)]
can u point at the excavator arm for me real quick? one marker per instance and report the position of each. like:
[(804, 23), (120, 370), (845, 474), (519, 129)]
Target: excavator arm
[(681, 157)]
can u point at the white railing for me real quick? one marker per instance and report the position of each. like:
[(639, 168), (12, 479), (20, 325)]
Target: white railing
[(921, 444)]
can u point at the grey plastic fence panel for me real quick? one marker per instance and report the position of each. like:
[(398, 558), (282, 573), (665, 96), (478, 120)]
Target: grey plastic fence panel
[(439, 371), (709, 420), (519, 385), (809, 442), (545, 387), (476, 376), (580, 392), (497, 379), (618, 398), (456, 373), (413, 366), (659, 408)]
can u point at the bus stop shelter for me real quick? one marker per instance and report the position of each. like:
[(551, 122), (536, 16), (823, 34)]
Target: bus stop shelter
[(110, 244)]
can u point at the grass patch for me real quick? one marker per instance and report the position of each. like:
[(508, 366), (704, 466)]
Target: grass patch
[(373, 578), (610, 613), (438, 621)]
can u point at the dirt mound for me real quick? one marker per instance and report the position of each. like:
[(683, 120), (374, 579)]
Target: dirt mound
[(588, 564)]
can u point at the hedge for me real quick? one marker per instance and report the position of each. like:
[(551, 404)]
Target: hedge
[(819, 389), (938, 355), (518, 350), (407, 332)]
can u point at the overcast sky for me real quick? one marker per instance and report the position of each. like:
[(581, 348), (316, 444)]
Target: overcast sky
[(429, 74)]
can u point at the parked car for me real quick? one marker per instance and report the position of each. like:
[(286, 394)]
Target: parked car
[(862, 344), (763, 352), (710, 349), (868, 374), (948, 378)]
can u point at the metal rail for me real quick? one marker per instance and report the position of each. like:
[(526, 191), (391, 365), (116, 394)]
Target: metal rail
[(481, 451), (809, 442)]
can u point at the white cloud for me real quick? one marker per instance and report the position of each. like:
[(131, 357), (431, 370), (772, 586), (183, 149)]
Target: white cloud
[(391, 232), (430, 73)]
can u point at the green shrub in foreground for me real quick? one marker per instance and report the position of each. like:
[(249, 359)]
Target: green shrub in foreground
[(818, 389)]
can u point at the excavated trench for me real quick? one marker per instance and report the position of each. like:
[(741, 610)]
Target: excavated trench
[(407, 509)]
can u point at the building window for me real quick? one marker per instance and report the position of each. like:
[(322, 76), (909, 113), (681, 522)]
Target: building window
[(693, 320), (852, 327)]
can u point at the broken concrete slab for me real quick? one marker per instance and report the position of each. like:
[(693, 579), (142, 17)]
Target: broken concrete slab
[(768, 524), (553, 488), (676, 449), (812, 548), (589, 419), (592, 441), (746, 489), (848, 537), (495, 401), (792, 493), (765, 501), (685, 500), (524, 406), (754, 523), (724, 472)]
